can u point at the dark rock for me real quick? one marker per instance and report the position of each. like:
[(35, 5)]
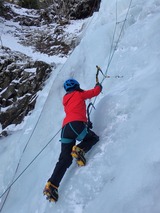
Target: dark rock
[(20, 83), (3, 134), (10, 92)]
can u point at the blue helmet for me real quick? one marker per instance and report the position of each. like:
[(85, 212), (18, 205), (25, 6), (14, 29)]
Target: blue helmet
[(70, 84)]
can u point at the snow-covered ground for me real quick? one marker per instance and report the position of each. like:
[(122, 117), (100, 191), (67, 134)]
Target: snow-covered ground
[(123, 169)]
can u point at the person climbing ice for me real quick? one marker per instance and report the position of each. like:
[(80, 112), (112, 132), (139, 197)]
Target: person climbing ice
[(74, 128)]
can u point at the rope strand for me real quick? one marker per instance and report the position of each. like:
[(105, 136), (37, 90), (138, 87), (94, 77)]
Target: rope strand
[(124, 22), (30, 164), (117, 42)]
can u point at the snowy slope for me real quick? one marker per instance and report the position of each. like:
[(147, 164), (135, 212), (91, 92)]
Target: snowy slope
[(122, 174)]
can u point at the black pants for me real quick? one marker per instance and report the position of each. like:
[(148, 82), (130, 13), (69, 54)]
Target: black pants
[(65, 158)]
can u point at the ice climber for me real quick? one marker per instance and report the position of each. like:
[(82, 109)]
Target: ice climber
[(74, 128)]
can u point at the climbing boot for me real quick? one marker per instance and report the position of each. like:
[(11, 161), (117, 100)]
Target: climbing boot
[(51, 192), (78, 153)]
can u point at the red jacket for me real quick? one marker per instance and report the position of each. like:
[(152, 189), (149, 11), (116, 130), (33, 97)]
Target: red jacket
[(75, 106)]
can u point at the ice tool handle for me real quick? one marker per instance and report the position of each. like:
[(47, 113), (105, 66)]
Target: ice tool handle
[(89, 123), (99, 70)]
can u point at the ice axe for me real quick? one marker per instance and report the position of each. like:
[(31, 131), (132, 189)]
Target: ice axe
[(105, 76), (99, 70)]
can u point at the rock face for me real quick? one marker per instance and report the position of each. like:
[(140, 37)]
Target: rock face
[(53, 40), (75, 9), (44, 30), (20, 80), (82, 9)]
